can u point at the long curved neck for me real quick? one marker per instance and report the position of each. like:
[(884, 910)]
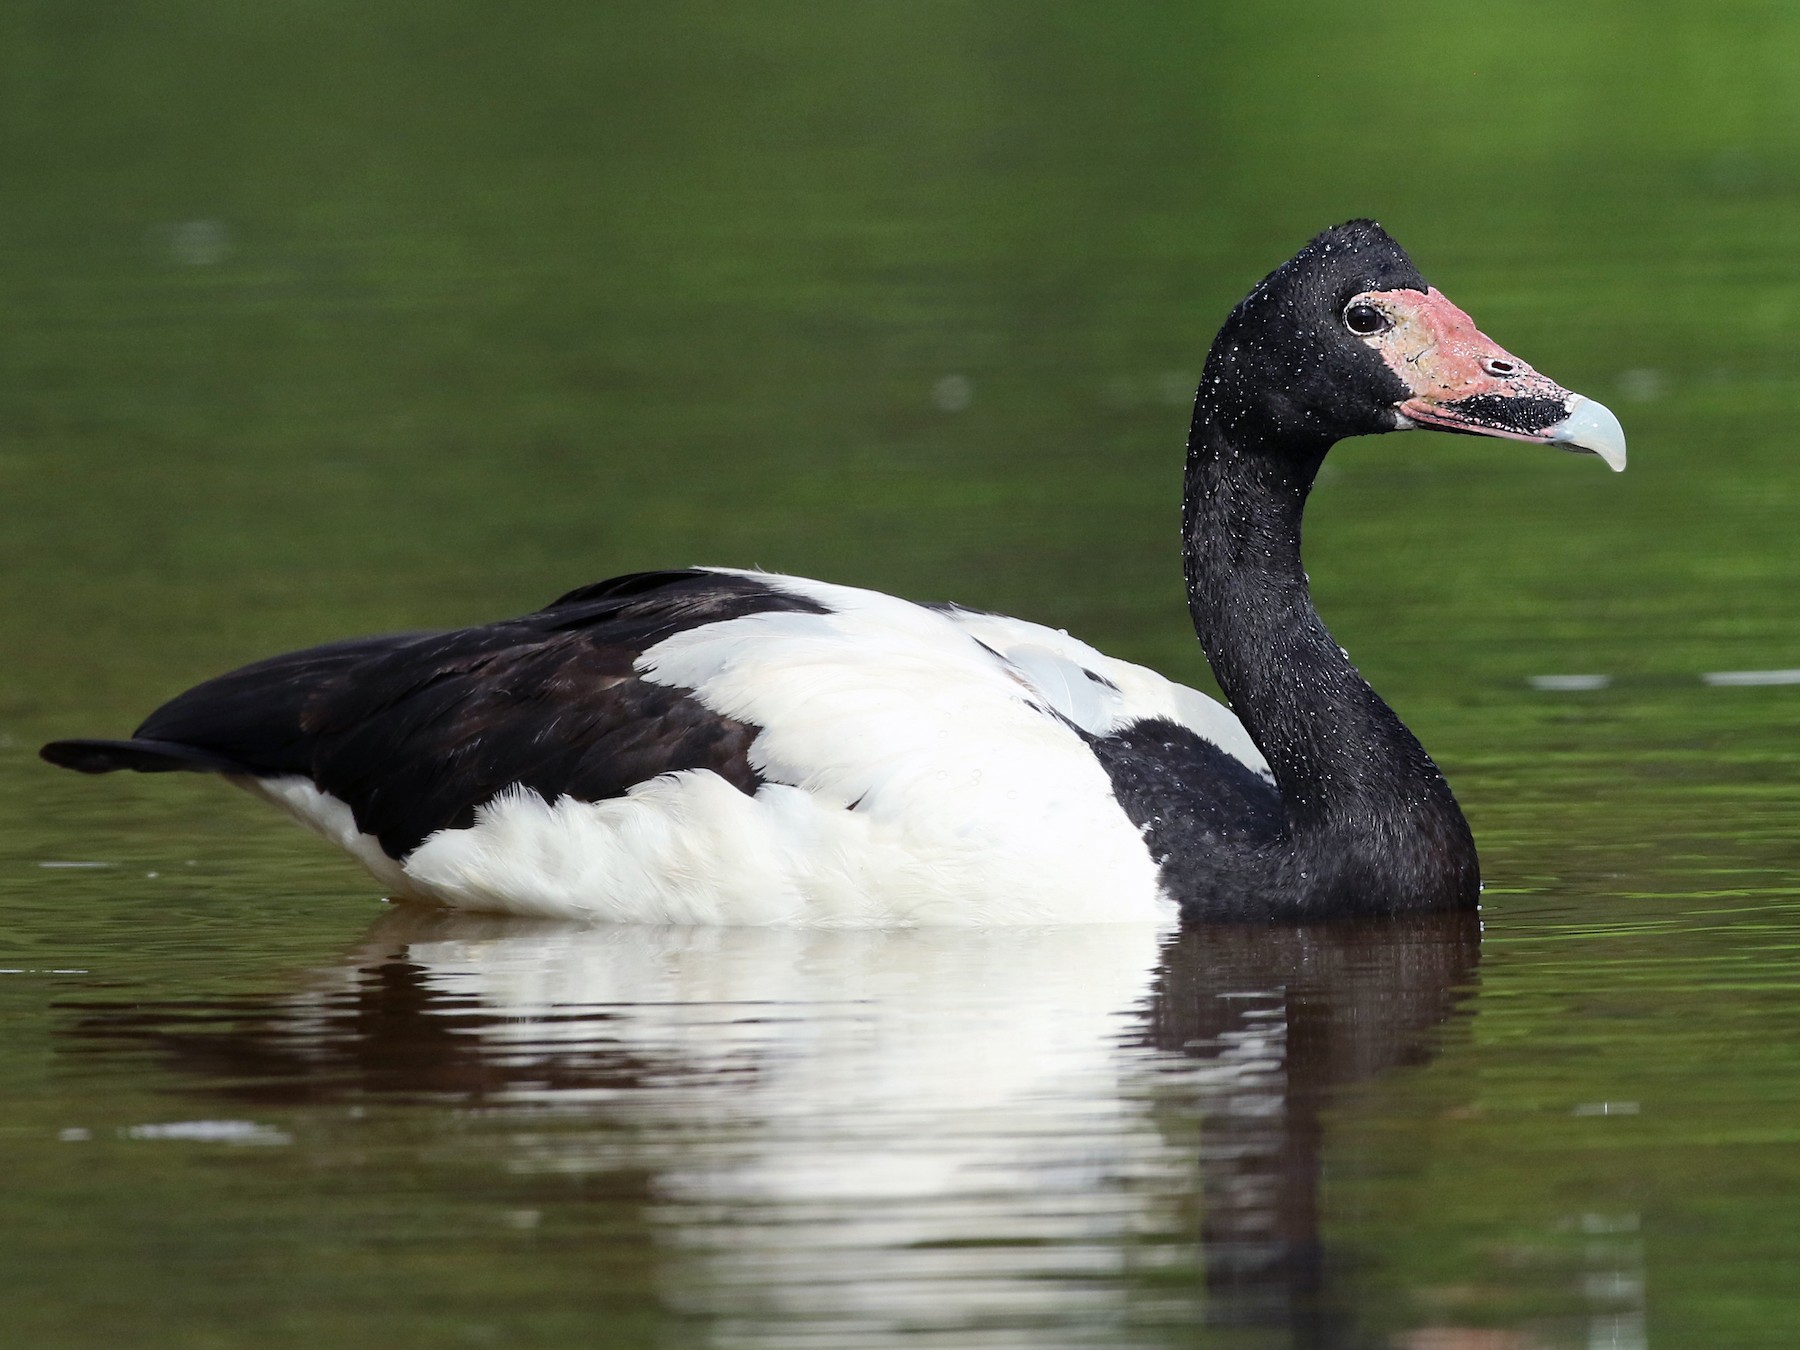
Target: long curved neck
[(1371, 823)]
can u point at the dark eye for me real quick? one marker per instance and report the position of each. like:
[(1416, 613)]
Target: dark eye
[(1365, 319)]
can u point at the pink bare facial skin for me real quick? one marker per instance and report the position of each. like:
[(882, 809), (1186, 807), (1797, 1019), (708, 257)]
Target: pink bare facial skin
[(1439, 354)]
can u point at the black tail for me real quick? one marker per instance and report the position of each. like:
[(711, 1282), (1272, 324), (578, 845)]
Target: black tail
[(145, 756), (250, 721)]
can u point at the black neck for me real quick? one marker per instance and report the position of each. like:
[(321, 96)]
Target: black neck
[(1371, 825)]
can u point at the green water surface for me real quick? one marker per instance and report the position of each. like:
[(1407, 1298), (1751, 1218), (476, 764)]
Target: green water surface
[(320, 318)]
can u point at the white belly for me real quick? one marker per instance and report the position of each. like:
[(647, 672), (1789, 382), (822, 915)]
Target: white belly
[(690, 848)]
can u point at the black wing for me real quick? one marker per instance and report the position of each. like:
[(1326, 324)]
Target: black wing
[(414, 731)]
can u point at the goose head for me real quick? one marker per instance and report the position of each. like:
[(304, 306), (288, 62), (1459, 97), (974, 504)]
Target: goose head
[(1347, 339)]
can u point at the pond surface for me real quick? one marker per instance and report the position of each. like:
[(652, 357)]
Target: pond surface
[(321, 320)]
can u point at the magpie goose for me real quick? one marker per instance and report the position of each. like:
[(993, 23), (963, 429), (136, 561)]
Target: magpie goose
[(730, 747)]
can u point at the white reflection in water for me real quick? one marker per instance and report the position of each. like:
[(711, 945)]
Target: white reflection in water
[(210, 1132), (1056, 1137), (854, 1134)]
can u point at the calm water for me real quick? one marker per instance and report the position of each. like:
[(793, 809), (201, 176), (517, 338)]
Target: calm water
[(316, 320)]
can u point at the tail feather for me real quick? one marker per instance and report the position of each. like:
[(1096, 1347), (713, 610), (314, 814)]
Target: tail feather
[(248, 721), (144, 756)]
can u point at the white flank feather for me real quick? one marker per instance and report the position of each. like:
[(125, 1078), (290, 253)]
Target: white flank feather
[(913, 779)]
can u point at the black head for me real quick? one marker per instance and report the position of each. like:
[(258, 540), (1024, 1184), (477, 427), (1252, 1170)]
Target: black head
[(1347, 339), (1286, 363)]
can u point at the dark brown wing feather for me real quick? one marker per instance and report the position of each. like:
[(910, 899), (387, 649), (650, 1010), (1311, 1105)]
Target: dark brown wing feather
[(415, 731)]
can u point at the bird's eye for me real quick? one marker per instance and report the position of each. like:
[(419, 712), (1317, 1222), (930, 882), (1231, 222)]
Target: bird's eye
[(1365, 319)]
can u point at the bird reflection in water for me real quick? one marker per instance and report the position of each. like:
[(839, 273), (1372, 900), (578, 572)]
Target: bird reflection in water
[(1075, 1133)]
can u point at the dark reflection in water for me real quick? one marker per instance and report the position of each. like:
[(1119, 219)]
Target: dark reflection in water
[(387, 1028), (1054, 1137), (1300, 1012)]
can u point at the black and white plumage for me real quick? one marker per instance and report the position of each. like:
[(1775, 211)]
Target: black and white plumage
[(731, 747)]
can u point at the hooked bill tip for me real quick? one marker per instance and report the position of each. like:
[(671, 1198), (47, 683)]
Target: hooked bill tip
[(1590, 428)]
